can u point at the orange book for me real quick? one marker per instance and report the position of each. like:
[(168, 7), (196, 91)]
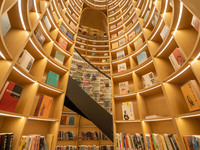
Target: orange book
[(191, 93), (44, 106), (62, 42)]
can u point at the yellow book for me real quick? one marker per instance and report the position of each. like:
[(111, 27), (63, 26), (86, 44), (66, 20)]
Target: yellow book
[(191, 94), (22, 143)]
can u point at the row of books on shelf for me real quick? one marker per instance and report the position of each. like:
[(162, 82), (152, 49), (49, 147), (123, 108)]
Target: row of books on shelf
[(67, 120), (36, 142), (85, 147), (66, 135), (6, 141), (88, 136)]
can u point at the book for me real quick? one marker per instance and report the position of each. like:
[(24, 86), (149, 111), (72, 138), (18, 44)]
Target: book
[(134, 19), (114, 35), (155, 19), (120, 54), (111, 19), (113, 26), (164, 32), (137, 29), (63, 120), (5, 24), (120, 32), (63, 29), (70, 36), (146, 15), (114, 45), (195, 23), (127, 111), (52, 78), (63, 43), (55, 16), (131, 35), (71, 120), (9, 140), (191, 93), (47, 22), (123, 87), (122, 41), (176, 58), (43, 106), (142, 57), (59, 57), (72, 25), (138, 43), (128, 27), (188, 142), (9, 96), (26, 60), (121, 67), (148, 79), (119, 23), (40, 37)]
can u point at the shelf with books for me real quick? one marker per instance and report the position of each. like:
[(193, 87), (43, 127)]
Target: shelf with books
[(120, 66), (120, 53)]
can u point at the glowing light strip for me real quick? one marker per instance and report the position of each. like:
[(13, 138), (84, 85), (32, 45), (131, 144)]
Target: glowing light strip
[(98, 40), (71, 17), (45, 32), (122, 75), (157, 29), (51, 19), (143, 66), (150, 89), (57, 9), (196, 58), (139, 50), (97, 51), (129, 121), (63, 4), (81, 38), (178, 74), (61, 49), (165, 46), (98, 45), (125, 4), (50, 88), (189, 116), (132, 28), (35, 5), (139, 3), (95, 4), (113, 7), (74, 10), (120, 60), (129, 18), (20, 14), (164, 119), (114, 13), (81, 43), (40, 119), (166, 3), (121, 26), (77, 4), (112, 2), (56, 65), (24, 75), (132, 94), (2, 55), (36, 48), (9, 115), (81, 48), (179, 18), (145, 8)]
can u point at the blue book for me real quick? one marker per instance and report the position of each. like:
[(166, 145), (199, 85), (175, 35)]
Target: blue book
[(63, 29), (141, 57), (123, 137), (70, 36), (137, 29), (71, 120), (196, 143)]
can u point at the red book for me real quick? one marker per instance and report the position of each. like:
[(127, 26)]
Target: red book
[(62, 42), (9, 96), (126, 141), (152, 142)]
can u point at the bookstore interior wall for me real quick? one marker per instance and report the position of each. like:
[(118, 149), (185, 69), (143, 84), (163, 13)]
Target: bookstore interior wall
[(150, 50)]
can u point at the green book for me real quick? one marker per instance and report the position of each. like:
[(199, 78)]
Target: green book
[(59, 57), (52, 78), (71, 120)]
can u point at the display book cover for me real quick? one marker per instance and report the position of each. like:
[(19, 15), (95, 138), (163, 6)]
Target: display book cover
[(44, 106), (127, 111), (123, 87), (142, 57), (63, 120), (63, 29), (47, 23), (71, 120), (9, 96), (70, 36), (146, 15), (115, 45), (5, 24), (63, 43), (148, 79), (40, 37), (138, 42), (26, 60), (155, 19), (195, 23), (121, 67), (122, 41), (137, 29), (120, 54), (52, 78), (164, 32), (191, 93), (59, 57), (176, 58)]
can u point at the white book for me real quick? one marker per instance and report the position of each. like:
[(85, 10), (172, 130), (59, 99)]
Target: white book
[(120, 32), (122, 41), (138, 43), (164, 32), (127, 111), (120, 54), (5, 24), (148, 79), (121, 67), (72, 25), (26, 60), (47, 22), (123, 87)]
